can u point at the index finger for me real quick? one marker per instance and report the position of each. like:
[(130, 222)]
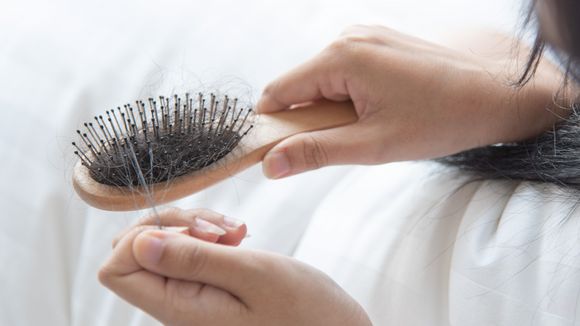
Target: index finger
[(235, 230), (320, 77)]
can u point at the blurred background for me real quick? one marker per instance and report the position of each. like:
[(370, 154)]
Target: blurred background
[(61, 62)]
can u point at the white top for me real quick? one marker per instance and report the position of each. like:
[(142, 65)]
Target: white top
[(418, 245)]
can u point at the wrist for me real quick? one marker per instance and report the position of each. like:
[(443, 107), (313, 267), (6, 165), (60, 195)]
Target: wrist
[(509, 113)]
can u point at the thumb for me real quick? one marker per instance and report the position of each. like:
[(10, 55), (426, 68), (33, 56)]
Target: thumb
[(312, 150), (182, 257)]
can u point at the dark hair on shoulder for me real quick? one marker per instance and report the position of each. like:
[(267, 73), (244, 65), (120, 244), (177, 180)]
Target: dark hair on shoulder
[(553, 156)]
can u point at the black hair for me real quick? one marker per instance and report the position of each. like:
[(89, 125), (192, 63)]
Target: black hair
[(553, 156), (177, 137)]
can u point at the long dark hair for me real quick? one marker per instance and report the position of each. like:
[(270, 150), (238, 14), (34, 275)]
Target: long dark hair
[(553, 156)]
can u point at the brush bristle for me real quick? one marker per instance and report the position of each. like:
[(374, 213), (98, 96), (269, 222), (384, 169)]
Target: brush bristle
[(158, 141)]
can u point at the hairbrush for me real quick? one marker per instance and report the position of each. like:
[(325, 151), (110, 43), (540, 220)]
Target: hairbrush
[(168, 148)]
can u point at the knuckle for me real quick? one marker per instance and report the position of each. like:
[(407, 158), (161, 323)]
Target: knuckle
[(343, 45), (167, 211), (204, 213), (358, 39), (192, 214), (353, 29), (104, 275), (116, 239), (349, 49), (131, 231), (138, 229), (191, 258), (271, 88), (315, 155), (162, 213), (380, 28), (179, 295)]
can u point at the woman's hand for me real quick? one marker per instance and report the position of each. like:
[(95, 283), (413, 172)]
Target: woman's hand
[(181, 280), (415, 100)]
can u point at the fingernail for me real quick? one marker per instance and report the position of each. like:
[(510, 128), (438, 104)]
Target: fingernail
[(232, 222), (276, 165), (152, 247), (208, 227)]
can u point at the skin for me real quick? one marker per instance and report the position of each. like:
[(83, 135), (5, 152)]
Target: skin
[(465, 101), (205, 280), (415, 100)]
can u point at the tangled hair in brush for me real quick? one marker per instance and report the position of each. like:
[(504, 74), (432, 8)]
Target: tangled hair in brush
[(554, 156), (131, 147)]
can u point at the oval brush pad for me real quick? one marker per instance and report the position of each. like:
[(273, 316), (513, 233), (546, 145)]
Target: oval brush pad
[(142, 156)]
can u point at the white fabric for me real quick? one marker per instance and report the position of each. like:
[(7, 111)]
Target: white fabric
[(417, 245), (404, 239)]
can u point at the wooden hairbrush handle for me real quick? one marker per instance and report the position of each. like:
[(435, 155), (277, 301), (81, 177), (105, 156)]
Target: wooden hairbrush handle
[(269, 129)]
